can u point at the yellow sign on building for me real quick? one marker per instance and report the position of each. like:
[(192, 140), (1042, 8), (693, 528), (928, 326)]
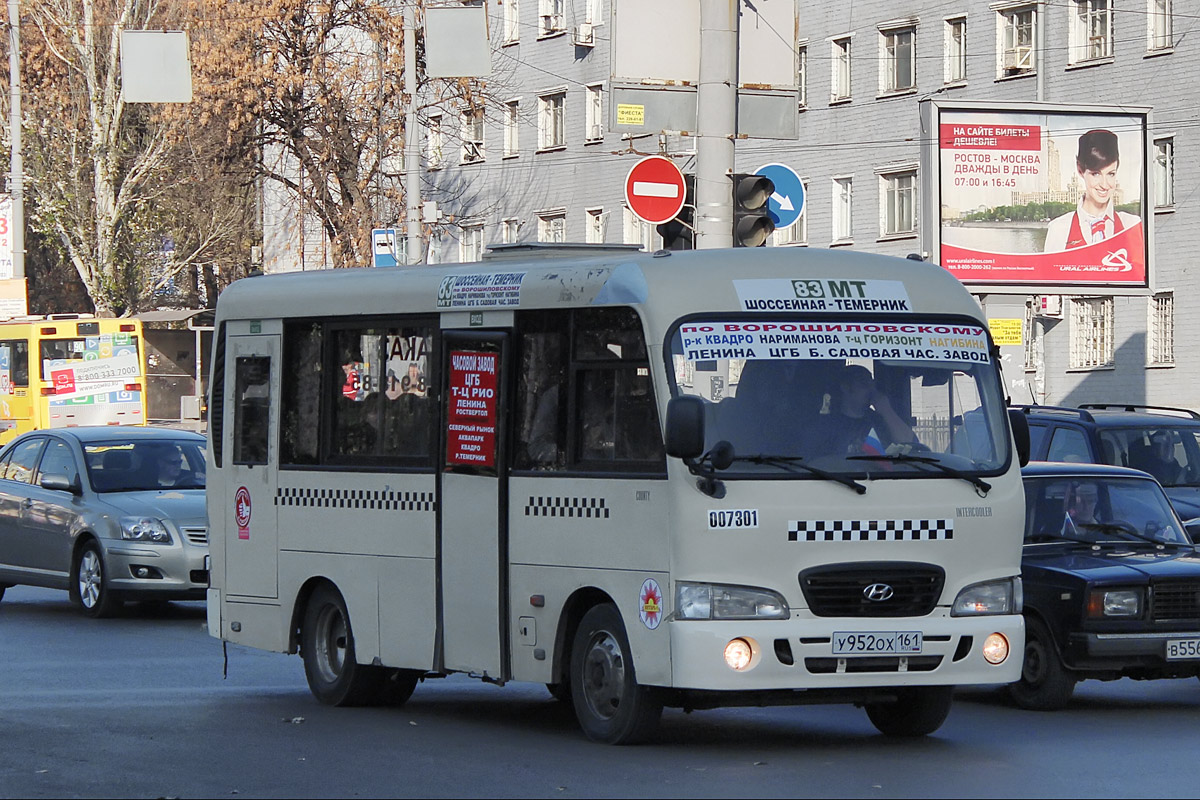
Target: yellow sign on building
[(1006, 331), (629, 114)]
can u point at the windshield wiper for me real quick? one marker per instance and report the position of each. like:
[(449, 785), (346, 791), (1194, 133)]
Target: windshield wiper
[(1125, 528), (982, 487), (791, 462)]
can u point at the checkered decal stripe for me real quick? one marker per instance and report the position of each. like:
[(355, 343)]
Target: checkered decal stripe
[(356, 498), (870, 530), (586, 507)]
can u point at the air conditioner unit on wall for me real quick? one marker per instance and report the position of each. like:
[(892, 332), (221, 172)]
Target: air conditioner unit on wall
[(1049, 305), (1019, 57), (582, 35)]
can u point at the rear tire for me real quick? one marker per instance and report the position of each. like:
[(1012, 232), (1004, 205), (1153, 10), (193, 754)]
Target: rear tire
[(1045, 683), (89, 583), (918, 711), (610, 705), (327, 640)]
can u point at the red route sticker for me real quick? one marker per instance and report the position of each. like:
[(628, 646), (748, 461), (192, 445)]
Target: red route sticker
[(241, 512), (650, 604)]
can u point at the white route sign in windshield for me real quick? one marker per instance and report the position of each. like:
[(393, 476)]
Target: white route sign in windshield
[(710, 341), (822, 294)]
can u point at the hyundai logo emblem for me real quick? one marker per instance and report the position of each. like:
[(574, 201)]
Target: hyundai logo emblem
[(878, 592)]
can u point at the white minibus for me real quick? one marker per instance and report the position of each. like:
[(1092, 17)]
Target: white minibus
[(773, 476)]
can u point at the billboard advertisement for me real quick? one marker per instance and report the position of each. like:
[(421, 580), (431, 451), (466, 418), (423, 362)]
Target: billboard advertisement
[(1048, 196)]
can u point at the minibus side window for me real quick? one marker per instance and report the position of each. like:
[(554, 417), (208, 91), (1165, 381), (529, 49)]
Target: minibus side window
[(541, 402), (252, 409), (16, 353), (299, 437)]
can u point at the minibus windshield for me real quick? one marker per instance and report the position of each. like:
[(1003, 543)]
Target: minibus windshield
[(851, 398)]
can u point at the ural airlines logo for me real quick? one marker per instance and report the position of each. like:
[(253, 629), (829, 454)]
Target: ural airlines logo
[(1118, 258)]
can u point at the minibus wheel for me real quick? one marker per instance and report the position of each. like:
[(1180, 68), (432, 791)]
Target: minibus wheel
[(917, 711), (610, 705), (327, 641)]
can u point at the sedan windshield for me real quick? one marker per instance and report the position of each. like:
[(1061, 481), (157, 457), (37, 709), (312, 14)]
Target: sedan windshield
[(125, 466), (862, 398), (1099, 509)]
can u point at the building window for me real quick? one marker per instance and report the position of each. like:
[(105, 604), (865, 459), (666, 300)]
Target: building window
[(955, 48), (802, 65), (1161, 327), (512, 20), (551, 17), (551, 129), (1091, 30), (594, 233), (472, 136), (841, 70), (843, 205), (435, 142), (510, 231), (1164, 173), (593, 12), (1158, 25), (898, 191), (512, 111), (1091, 332), (634, 231), (899, 60), (1017, 53), (552, 227), (470, 245), (594, 113)]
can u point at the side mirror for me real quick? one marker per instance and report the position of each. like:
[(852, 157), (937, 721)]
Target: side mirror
[(1020, 429), (685, 427), (59, 483)]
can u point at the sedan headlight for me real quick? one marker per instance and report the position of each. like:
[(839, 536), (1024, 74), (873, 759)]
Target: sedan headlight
[(144, 529), (1125, 603), (989, 598), (715, 601)]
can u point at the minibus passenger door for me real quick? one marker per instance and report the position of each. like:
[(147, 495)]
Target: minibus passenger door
[(472, 535), (252, 450)]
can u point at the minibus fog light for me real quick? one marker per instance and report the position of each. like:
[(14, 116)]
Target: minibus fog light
[(738, 655), (995, 648)]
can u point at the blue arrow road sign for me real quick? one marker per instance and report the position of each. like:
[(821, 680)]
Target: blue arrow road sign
[(787, 202)]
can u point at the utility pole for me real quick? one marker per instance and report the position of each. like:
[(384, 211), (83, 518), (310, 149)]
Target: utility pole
[(716, 122), (414, 243), (17, 168)]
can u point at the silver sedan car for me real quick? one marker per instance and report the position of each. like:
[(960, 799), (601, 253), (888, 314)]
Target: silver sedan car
[(107, 513)]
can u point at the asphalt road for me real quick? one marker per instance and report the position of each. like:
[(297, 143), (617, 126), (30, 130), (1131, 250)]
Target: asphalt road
[(137, 707)]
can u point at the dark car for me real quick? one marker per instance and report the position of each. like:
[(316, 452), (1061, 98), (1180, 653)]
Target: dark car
[(1162, 441), (107, 513), (1111, 580)]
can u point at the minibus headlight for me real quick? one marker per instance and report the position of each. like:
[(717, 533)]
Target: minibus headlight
[(1115, 603), (144, 529), (989, 598), (717, 601)]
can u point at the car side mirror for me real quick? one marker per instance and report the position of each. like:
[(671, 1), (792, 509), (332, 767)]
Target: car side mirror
[(59, 483), (685, 427), (1020, 429)]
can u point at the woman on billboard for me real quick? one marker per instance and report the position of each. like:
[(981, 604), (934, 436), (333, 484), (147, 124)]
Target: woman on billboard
[(1095, 219)]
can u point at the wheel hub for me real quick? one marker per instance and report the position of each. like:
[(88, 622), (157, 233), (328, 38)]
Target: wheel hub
[(90, 579), (604, 675)]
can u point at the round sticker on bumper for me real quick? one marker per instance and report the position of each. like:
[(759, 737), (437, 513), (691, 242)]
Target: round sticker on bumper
[(650, 604)]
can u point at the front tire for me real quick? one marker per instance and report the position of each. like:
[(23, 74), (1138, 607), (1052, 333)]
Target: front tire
[(610, 705), (1045, 683), (89, 583), (327, 640), (918, 711)]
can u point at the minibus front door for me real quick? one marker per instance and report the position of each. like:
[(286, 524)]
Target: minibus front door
[(472, 535)]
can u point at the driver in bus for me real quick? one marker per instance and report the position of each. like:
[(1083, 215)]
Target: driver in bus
[(861, 419)]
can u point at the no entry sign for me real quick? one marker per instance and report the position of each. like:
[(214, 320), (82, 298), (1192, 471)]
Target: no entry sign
[(654, 190)]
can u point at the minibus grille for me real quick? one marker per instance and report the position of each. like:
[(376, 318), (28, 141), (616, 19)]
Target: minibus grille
[(1174, 601), (879, 589)]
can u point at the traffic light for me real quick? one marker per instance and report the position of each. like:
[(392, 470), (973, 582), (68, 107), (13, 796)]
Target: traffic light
[(752, 223), (680, 233)]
